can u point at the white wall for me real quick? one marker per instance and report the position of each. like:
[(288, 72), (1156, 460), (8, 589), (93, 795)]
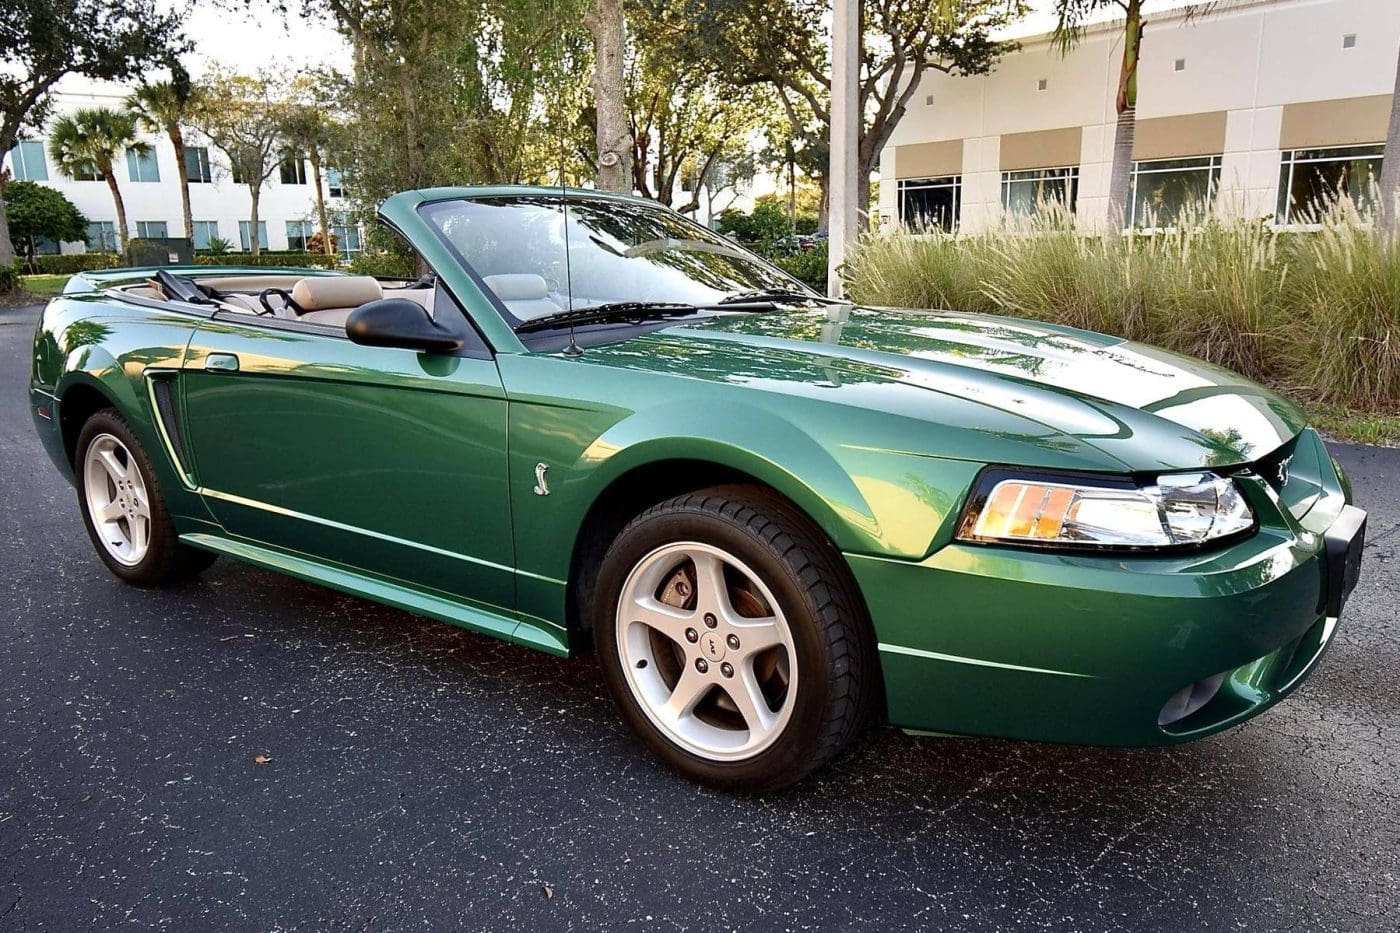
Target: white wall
[(1248, 58)]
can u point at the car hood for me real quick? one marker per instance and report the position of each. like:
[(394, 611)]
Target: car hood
[(1148, 409)]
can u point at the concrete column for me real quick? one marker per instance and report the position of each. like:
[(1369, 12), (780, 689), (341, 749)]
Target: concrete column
[(845, 135)]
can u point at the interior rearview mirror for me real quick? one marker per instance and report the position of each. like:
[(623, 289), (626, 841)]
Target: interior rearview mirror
[(399, 322)]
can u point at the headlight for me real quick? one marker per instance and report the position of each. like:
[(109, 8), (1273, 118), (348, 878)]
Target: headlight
[(1179, 509)]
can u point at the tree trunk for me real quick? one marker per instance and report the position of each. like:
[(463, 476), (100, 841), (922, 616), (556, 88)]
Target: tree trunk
[(254, 246), (613, 134), (1390, 169), (111, 177), (313, 156), (1120, 176), (824, 208), (177, 139), (7, 250)]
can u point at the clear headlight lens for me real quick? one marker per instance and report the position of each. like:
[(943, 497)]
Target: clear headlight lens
[(1179, 509)]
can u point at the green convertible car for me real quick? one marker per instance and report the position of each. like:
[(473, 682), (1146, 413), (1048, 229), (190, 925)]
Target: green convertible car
[(776, 516)]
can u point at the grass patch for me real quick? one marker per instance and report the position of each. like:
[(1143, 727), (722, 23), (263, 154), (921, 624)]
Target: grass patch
[(43, 286), (1315, 314)]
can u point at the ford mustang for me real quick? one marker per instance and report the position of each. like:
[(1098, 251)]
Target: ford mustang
[(775, 517)]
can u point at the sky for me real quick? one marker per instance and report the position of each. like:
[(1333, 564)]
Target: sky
[(264, 38)]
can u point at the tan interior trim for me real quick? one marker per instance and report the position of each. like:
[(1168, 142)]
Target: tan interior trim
[(1042, 149), (929, 160), (1349, 121), (1192, 134)]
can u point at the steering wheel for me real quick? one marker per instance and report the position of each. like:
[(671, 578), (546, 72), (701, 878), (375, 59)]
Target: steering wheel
[(287, 300)]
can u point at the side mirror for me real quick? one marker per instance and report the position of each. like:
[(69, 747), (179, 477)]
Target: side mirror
[(399, 322)]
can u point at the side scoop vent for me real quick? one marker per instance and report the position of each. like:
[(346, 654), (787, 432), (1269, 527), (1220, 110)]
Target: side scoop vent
[(163, 388)]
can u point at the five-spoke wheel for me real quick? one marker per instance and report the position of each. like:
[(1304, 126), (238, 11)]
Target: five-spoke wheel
[(117, 500), (733, 638)]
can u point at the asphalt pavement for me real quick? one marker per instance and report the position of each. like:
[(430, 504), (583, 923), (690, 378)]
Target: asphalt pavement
[(251, 752)]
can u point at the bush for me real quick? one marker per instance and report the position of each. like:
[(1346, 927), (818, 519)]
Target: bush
[(1316, 312), (808, 266), (291, 258), (9, 279), (72, 263)]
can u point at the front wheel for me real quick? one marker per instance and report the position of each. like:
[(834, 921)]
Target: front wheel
[(123, 508), (733, 639)]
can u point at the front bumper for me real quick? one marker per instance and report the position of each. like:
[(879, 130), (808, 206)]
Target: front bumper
[(1089, 649)]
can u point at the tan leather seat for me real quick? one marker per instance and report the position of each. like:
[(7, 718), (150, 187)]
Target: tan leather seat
[(330, 299), (524, 294)]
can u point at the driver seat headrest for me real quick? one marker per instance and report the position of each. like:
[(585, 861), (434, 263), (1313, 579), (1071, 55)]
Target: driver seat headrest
[(321, 293), (518, 286)]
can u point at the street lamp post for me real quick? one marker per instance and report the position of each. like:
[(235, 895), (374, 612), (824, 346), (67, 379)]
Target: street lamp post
[(845, 136)]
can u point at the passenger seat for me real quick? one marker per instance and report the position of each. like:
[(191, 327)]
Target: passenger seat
[(524, 294), (330, 299)]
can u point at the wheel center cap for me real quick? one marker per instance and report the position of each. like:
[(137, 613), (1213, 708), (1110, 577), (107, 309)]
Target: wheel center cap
[(712, 645)]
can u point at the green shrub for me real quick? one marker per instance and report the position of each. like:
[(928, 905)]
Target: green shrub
[(9, 279), (72, 263), (807, 266), (1318, 312), (382, 262), (290, 258)]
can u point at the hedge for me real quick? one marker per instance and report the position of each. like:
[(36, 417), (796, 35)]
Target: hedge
[(72, 263), (299, 260)]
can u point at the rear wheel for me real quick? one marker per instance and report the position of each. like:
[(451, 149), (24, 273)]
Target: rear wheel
[(123, 508), (732, 639)]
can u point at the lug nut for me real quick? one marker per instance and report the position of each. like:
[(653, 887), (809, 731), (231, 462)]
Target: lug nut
[(733, 642), (727, 669), (710, 620), (702, 665), (692, 636)]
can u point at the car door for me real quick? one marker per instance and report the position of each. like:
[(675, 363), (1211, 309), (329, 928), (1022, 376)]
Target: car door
[(382, 459)]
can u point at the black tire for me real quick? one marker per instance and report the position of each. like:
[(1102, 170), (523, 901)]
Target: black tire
[(166, 559), (838, 674)]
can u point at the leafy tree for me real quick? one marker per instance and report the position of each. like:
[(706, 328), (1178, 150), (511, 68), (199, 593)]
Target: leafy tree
[(684, 119), (40, 212), (307, 127), (243, 116), (43, 40), (166, 107), (783, 44), (1071, 18), (766, 223), (87, 143)]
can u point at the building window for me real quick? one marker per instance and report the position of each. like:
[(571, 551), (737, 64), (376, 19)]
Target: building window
[(1163, 189), (102, 236), (1349, 41), (335, 185), (27, 161), (151, 229), (1311, 180), (1025, 192), (142, 166), (931, 202), (243, 235), (197, 165), (204, 233), (293, 169), (299, 232), (347, 236)]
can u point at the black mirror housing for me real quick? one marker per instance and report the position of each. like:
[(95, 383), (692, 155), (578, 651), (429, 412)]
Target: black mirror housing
[(399, 322)]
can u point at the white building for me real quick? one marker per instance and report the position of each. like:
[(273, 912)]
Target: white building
[(150, 189), (1262, 105)]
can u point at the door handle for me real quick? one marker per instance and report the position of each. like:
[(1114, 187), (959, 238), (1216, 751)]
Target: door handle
[(221, 363)]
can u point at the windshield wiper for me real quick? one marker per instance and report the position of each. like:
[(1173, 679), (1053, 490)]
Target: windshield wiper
[(764, 295), (635, 311)]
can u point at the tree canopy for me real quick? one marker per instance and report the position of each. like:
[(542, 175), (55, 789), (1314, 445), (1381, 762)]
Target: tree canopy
[(41, 212)]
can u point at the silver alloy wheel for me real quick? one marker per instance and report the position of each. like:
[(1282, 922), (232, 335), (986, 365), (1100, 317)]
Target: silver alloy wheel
[(116, 499), (716, 679)]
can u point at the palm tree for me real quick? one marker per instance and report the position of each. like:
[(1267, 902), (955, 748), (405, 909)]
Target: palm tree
[(86, 143), (1071, 18), (163, 107), (1390, 165), (307, 128)]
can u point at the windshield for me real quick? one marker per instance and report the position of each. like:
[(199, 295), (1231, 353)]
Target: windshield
[(618, 251)]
